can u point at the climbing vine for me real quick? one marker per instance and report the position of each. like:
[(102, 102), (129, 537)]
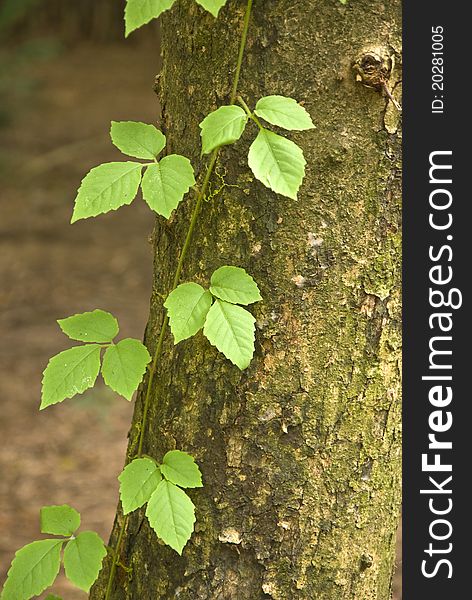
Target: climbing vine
[(219, 310)]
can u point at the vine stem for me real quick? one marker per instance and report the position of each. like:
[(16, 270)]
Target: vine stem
[(178, 272)]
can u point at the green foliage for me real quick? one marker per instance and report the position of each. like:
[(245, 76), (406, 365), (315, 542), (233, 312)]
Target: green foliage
[(138, 140), (59, 520), (106, 188), (140, 12), (165, 184), (138, 481), (83, 558), (52, 597), (96, 326), (212, 6), (69, 373), (231, 329), (187, 307), (75, 370), (221, 127), (170, 511), (171, 514), (234, 285), (124, 365), (34, 568), (180, 468), (277, 162), (36, 565), (283, 112)]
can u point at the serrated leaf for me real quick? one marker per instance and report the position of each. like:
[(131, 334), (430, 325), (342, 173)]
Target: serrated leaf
[(138, 480), (83, 557), (95, 326), (234, 285), (187, 307), (284, 112), (171, 514), (278, 163), (124, 365), (69, 373), (34, 568), (231, 329), (212, 6), (180, 468), (221, 127), (165, 184), (136, 139), (140, 12), (59, 520), (106, 188)]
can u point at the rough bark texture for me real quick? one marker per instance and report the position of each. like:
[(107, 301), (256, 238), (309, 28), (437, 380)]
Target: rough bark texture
[(301, 453)]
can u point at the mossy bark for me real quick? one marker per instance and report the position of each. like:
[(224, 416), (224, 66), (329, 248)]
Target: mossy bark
[(300, 454)]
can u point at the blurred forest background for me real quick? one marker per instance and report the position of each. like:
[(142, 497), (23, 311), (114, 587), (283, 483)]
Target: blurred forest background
[(66, 71)]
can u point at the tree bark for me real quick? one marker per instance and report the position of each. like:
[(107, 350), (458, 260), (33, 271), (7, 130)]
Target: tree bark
[(300, 454)]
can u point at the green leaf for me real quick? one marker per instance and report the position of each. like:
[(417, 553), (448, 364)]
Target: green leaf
[(138, 480), (59, 520), (69, 373), (124, 365), (278, 163), (96, 326), (180, 468), (221, 127), (140, 12), (52, 597), (171, 514), (212, 6), (187, 307), (83, 557), (137, 139), (34, 568), (106, 188), (234, 285), (284, 112), (165, 184), (231, 329)]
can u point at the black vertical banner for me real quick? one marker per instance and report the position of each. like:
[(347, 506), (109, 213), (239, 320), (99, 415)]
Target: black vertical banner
[(437, 249)]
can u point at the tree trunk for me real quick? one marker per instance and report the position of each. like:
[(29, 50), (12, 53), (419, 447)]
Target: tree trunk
[(300, 453)]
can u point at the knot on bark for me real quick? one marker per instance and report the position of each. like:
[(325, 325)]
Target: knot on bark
[(373, 68)]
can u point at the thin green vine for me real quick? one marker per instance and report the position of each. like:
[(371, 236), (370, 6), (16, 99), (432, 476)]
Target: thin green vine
[(187, 243)]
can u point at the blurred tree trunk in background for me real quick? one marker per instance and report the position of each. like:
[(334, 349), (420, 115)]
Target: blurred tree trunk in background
[(84, 19), (301, 453)]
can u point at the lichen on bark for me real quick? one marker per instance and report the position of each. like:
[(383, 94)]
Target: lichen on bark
[(300, 454)]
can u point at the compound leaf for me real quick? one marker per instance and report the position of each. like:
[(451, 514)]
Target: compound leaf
[(106, 188), (34, 568), (140, 12), (95, 326), (165, 184), (138, 480), (180, 468), (137, 139), (187, 307), (284, 112), (231, 329), (124, 365), (69, 373), (171, 514), (234, 285), (221, 127), (59, 520), (83, 558), (278, 163)]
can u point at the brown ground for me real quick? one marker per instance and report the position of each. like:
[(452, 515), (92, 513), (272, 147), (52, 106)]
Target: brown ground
[(49, 269), (70, 453)]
